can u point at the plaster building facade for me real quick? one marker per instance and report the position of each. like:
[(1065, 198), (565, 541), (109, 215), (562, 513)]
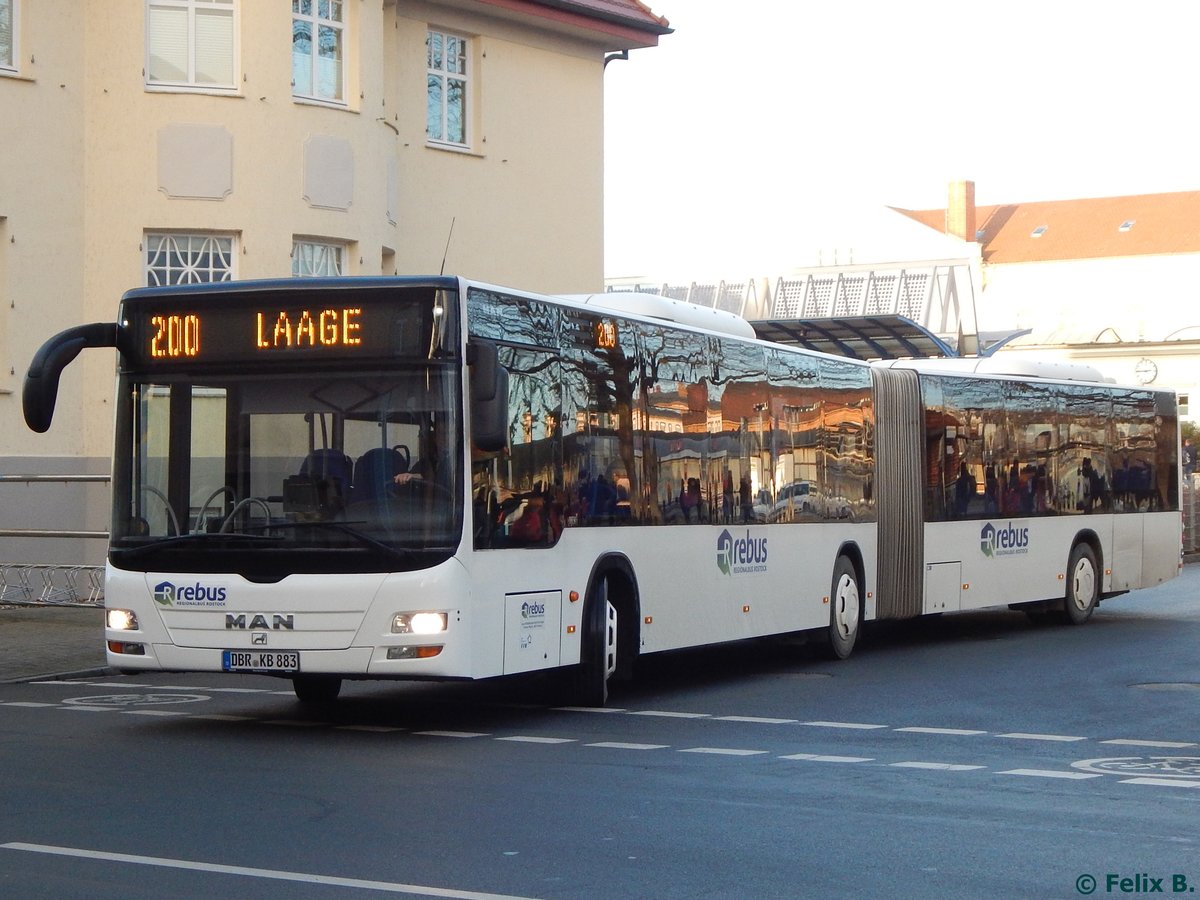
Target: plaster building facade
[(172, 141)]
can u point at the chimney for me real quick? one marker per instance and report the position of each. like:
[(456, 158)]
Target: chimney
[(960, 210)]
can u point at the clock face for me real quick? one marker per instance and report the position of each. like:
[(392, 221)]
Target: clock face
[(1146, 370)]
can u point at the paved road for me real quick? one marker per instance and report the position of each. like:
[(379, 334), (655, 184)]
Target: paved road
[(974, 755)]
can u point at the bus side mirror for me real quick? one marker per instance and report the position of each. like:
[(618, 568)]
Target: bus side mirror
[(40, 391), (489, 397)]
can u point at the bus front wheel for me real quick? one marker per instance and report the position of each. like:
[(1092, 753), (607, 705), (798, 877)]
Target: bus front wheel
[(845, 609), (317, 690), (1083, 585)]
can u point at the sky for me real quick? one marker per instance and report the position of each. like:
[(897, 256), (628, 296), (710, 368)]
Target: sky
[(764, 134)]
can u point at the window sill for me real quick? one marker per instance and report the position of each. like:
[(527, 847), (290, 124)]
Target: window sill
[(453, 148), (13, 75), (325, 104), (194, 89)]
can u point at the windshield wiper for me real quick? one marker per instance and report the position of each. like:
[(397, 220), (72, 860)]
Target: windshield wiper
[(200, 537), (344, 528)]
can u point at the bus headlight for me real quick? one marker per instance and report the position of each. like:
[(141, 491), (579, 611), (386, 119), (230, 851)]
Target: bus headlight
[(121, 619), (419, 623)]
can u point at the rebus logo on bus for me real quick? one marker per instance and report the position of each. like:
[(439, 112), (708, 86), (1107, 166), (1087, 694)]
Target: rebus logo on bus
[(1006, 541), (532, 610), (741, 556), (168, 594)]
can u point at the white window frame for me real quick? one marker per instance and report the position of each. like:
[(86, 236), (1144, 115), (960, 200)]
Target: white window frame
[(316, 258), (320, 14), (195, 11), (10, 65), (187, 257), (442, 73)]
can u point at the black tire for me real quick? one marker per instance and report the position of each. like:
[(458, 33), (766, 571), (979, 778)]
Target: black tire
[(1083, 585), (317, 690), (845, 609), (597, 650)]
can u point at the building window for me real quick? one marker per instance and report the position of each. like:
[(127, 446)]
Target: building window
[(8, 35), (317, 258), (188, 258), (446, 92), (190, 43), (318, 68)]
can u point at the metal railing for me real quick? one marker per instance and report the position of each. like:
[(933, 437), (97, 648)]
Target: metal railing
[(33, 584)]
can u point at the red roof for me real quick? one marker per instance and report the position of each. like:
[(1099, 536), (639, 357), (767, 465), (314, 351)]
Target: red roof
[(1096, 228)]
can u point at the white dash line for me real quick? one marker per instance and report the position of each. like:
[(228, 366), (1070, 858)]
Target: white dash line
[(589, 709), (858, 725), (1131, 742), (162, 713), (619, 745), (941, 767), (665, 714), (534, 739), (756, 720), (1050, 773), (1162, 782), (221, 717), (1022, 736), (817, 757), (373, 729), (916, 729), (28, 704), (452, 734), (247, 872), (723, 751)]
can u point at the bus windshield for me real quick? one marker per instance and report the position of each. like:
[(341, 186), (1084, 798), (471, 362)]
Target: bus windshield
[(268, 473)]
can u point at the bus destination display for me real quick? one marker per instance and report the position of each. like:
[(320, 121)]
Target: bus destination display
[(256, 328)]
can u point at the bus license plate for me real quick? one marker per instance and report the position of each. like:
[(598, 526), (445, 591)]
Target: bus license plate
[(259, 661)]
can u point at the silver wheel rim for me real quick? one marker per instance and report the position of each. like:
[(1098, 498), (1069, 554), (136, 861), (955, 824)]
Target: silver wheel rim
[(845, 607), (1083, 584)]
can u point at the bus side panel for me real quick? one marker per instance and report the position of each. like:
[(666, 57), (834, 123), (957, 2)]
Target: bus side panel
[(1163, 547)]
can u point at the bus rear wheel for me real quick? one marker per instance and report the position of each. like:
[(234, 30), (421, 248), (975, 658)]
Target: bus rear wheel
[(317, 690), (1083, 585), (845, 609), (597, 651)]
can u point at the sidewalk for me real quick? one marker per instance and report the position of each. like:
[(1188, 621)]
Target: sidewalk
[(39, 641)]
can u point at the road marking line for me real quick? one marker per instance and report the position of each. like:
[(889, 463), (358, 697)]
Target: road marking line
[(756, 720), (153, 712), (375, 729), (915, 729), (723, 751), (670, 715), (452, 734), (1162, 782), (1022, 736), (817, 757), (88, 708), (273, 874), (1050, 773), (1136, 743), (533, 739), (941, 767), (619, 745), (29, 704), (858, 725), (589, 709)]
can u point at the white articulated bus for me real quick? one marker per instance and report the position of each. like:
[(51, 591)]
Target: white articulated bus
[(431, 478)]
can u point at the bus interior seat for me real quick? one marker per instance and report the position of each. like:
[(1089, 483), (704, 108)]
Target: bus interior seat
[(375, 470), (322, 484)]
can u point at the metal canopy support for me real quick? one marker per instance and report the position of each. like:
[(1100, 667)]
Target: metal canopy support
[(856, 337)]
